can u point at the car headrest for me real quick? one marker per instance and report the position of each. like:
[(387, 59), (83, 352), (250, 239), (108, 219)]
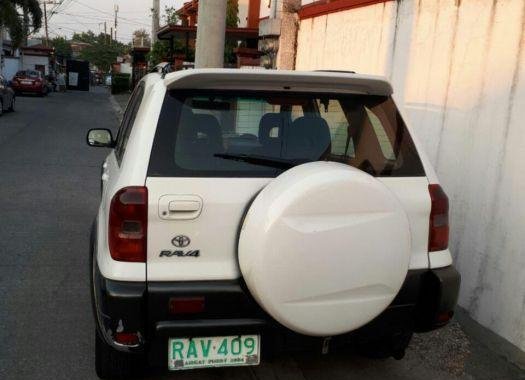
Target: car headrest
[(186, 131), (209, 126), (268, 122), (308, 138)]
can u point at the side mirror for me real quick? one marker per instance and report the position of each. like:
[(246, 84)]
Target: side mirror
[(100, 138)]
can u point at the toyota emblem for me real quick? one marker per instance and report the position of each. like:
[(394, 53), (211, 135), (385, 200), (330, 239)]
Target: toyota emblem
[(181, 241)]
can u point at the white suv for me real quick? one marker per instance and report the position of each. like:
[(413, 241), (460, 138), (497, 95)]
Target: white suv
[(247, 212)]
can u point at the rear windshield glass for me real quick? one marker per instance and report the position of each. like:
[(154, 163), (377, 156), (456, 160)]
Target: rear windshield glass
[(224, 134), (28, 73)]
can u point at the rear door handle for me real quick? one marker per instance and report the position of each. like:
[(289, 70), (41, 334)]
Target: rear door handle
[(180, 207), (184, 206)]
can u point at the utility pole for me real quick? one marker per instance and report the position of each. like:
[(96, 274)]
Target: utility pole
[(111, 37), (211, 30), (45, 24), (105, 32), (155, 17), (46, 3), (116, 22)]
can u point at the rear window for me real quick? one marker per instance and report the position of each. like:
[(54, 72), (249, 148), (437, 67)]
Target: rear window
[(225, 134), (28, 73)]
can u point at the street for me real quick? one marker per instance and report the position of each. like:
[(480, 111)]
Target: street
[(49, 193)]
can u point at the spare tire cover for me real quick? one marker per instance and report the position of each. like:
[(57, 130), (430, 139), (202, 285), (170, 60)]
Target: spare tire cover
[(324, 248)]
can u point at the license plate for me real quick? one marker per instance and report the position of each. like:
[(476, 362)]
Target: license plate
[(215, 351), (26, 82)]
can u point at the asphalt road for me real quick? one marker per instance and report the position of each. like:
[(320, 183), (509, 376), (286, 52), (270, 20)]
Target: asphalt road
[(49, 191)]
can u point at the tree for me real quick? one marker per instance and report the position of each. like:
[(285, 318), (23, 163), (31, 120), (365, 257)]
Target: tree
[(141, 38), (19, 26), (232, 21), (62, 47), (100, 52), (232, 14), (159, 52), (170, 15)]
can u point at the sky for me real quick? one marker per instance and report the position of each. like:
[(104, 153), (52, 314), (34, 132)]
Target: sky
[(69, 16)]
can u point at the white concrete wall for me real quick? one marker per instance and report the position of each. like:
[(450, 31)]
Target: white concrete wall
[(243, 13), (11, 66), (458, 68), (29, 62)]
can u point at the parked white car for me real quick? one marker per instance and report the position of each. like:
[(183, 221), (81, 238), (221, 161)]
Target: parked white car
[(242, 208)]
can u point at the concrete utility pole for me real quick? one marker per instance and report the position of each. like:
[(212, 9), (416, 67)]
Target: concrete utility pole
[(211, 30), (116, 22), (155, 16), (45, 24), (1, 48)]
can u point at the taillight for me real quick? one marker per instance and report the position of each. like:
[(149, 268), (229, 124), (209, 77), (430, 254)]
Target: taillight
[(127, 339), (128, 224), (438, 233)]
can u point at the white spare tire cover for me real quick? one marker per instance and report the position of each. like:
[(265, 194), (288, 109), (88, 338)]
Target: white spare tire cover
[(324, 248)]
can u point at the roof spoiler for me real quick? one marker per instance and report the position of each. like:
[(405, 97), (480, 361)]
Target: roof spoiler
[(278, 80)]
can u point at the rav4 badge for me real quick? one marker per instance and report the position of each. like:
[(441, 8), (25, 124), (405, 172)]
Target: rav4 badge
[(192, 253)]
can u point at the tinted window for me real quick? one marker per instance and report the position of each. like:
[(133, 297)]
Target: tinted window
[(226, 135), (128, 120)]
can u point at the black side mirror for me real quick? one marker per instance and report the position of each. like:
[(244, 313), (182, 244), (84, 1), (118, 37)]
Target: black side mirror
[(100, 138)]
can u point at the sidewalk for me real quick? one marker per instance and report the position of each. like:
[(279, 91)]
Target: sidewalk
[(119, 102)]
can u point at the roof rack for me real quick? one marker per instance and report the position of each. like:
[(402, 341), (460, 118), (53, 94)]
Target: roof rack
[(162, 68), (336, 71)]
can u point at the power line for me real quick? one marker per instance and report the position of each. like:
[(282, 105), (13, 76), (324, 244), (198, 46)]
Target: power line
[(108, 13), (104, 19)]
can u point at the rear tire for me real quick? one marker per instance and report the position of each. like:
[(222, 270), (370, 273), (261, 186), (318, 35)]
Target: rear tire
[(1, 107), (113, 364), (12, 106)]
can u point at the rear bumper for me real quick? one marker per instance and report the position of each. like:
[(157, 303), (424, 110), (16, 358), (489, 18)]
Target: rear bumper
[(426, 301), (28, 88)]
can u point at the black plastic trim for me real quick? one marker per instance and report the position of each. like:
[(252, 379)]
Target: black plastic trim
[(231, 326), (230, 309), (438, 296), (116, 303)]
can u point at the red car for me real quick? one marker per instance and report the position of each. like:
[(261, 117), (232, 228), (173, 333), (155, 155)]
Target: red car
[(30, 81)]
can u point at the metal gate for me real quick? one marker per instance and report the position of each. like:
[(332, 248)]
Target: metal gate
[(77, 75)]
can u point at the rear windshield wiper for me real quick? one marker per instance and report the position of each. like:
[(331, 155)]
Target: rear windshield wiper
[(262, 160)]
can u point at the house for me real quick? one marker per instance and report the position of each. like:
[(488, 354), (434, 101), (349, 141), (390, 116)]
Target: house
[(37, 57), (243, 39), (77, 47)]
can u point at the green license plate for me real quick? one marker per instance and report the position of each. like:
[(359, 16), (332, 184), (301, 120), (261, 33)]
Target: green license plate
[(215, 351)]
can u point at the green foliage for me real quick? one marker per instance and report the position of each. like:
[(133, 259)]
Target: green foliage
[(100, 52), (232, 14), (170, 15), (17, 16), (62, 47), (120, 83), (232, 21), (159, 52)]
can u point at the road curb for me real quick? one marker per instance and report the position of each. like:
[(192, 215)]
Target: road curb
[(495, 343), (116, 107)]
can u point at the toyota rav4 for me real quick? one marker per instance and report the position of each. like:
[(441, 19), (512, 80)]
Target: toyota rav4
[(245, 213)]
